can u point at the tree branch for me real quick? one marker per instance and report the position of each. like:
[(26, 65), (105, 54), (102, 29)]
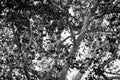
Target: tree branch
[(78, 40), (61, 42), (72, 34), (26, 72), (112, 73), (82, 34), (25, 68), (103, 31), (104, 76), (111, 59), (114, 77), (61, 9)]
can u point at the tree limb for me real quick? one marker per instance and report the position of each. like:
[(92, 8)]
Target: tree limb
[(25, 68), (82, 34), (104, 76), (112, 73), (78, 40), (114, 77), (61, 9), (111, 59), (72, 33)]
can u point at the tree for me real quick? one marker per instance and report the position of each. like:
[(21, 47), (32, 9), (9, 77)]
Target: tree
[(31, 39)]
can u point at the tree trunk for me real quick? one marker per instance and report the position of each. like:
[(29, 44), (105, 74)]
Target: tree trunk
[(78, 41)]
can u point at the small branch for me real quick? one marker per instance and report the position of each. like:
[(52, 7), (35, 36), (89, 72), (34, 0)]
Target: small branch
[(112, 73), (10, 73), (67, 38), (31, 37), (86, 23), (82, 34), (104, 76), (114, 77), (97, 49), (64, 72), (111, 59), (26, 72), (110, 78), (25, 68), (35, 73), (78, 41), (61, 9), (80, 73), (49, 74), (86, 11), (106, 44), (95, 30), (72, 34)]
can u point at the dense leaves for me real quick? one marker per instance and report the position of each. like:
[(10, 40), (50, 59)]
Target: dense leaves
[(34, 44)]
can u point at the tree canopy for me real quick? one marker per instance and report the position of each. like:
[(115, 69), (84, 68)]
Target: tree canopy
[(45, 39)]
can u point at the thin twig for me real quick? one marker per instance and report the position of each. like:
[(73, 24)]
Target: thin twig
[(61, 9), (72, 33), (112, 73)]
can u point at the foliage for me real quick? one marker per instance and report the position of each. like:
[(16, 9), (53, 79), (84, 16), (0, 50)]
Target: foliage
[(33, 45)]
